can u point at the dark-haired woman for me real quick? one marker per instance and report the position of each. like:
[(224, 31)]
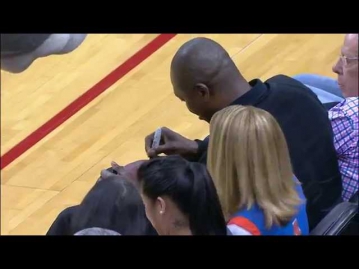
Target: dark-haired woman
[(180, 197)]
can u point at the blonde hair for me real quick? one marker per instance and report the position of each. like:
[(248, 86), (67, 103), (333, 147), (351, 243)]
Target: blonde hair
[(249, 161)]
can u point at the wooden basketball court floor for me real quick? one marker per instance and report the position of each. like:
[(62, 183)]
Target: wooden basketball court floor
[(68, 117)]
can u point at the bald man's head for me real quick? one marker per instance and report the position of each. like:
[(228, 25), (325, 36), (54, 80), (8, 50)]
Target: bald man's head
[(199, 60), (204, 76), (347, 66)]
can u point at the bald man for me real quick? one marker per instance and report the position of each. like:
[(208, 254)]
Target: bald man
[(19, 51), (204, 77), (344, 115)]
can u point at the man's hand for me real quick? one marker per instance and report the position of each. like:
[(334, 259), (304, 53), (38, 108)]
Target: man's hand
[(129, 171), (171, 143), (115, 169)]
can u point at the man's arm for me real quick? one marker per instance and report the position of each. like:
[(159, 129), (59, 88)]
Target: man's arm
[(201, 155), (346, 141), (172, 143)]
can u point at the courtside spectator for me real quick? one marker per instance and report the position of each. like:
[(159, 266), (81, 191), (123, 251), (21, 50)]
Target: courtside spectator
[(344, 115), (249, 162), (204, 76), (180, 197)]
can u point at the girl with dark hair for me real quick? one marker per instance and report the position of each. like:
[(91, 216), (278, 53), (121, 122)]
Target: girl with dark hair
[(180, 197), (113, 203)]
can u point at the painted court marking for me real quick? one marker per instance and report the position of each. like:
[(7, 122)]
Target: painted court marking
[(84, 99)]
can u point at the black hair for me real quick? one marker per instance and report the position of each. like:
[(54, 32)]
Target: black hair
[(115, 204), (190, 187)]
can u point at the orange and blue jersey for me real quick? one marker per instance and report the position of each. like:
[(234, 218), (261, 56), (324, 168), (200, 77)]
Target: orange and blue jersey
[(252, 222)]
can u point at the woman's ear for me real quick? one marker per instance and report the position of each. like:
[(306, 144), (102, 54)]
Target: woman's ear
[(160, 205)]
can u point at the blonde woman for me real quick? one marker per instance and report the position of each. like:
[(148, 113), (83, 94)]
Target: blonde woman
[(249, 161)]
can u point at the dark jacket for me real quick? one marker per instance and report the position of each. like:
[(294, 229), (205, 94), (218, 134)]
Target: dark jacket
[(63, 224), (304, 121)]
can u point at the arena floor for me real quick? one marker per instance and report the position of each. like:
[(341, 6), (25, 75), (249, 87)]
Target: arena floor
[(68, 117)]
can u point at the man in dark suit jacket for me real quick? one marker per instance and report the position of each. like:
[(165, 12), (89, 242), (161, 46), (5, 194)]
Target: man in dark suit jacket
[(204, 76)]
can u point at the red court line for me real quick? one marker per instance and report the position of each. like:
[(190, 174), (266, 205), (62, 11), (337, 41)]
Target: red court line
[(84, 99)]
